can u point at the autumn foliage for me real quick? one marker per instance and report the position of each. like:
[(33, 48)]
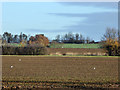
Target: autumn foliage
[(111, 42), (39, 39), (112, 47)]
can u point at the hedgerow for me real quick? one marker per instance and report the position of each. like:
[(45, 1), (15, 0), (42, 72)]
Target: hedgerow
[(27, 50)]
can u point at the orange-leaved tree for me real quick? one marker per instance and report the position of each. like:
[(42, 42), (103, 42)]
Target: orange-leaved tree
[(39, 39), (111, 42)]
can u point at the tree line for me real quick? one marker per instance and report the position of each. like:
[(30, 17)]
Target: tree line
[(73, 38), (9, 38), (67, 38), (28, 45), (38, 39), (110, 41)]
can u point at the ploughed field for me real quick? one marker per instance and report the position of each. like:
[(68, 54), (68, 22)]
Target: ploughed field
[(77, 51), (59, 72)]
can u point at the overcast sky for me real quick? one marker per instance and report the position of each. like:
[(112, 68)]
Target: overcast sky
[(52, 18)]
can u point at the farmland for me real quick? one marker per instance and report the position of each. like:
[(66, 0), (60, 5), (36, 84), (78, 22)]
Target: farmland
[(59, 72), (76, 46), (77, 51), (66, 45)]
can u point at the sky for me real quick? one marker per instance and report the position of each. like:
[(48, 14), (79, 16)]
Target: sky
[(53, 18)]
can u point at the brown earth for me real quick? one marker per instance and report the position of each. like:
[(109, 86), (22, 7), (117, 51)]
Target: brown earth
[(59, 72), (76, 51)]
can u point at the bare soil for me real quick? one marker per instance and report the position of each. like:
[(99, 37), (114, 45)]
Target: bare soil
[(76, 51), (31, 72)]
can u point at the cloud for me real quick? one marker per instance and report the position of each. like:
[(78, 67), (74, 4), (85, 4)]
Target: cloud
[(93, 4), (100, 18), (95, 24)]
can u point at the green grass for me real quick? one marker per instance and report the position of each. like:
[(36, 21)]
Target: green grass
[(76, 46), (67, 45), (15, 44)]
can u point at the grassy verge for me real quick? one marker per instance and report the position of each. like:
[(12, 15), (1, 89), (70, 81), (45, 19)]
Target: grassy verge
[(76, 46), (59, 56)]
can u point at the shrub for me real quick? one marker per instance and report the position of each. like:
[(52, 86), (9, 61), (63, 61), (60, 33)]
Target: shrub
[(112, 47), (28, 50), (111, 42)]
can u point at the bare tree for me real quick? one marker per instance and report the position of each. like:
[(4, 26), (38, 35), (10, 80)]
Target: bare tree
[(110, 33), (77, 36), (58, 38), (82, 39), (87, 40), (110, 43)]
